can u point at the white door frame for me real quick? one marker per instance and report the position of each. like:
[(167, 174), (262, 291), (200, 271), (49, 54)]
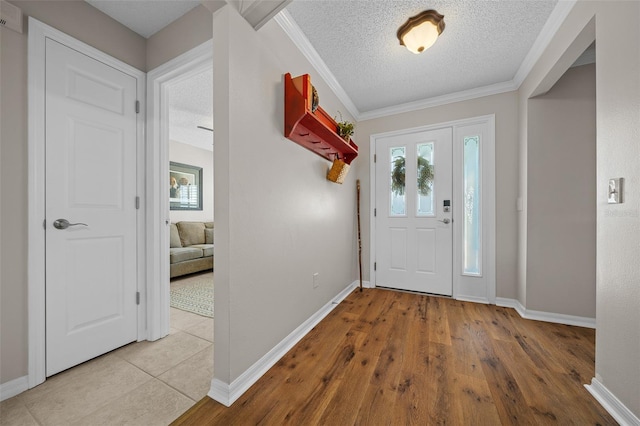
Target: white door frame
[(487, 281), (182, 67), (38, 33)]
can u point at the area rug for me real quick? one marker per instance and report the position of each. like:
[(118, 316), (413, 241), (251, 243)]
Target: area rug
[(194, 294)]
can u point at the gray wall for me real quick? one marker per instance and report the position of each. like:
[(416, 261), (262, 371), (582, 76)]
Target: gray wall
[(561, 252), (182, 35), (84, 22), (614, 25), (278, 220), (79, 20), (505, 107)]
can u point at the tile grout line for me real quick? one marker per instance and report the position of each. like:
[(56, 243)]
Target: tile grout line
[(172, 387)]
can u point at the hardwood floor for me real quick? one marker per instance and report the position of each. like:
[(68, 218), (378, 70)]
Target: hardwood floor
[(392, 358)]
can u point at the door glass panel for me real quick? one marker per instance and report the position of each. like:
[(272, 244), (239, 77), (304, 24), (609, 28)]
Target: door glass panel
[(472, 244), (398, 205), (425, 190)]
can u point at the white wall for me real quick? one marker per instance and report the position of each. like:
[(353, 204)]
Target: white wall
[(505, 107), (79, 20), (561, 247), (188, 154), (278, 220), (614, 24)]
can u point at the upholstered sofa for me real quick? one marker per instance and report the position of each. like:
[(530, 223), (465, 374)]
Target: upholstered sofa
[(190, 247)]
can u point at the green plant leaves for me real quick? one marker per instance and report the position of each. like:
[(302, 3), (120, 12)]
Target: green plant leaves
[(425, 176)]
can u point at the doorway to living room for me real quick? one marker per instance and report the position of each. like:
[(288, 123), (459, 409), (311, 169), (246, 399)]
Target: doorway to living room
[(180, 187)]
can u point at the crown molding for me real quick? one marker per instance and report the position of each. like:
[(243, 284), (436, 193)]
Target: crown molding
[(465, 95), (291, 28), (550, 28), (557, 17)]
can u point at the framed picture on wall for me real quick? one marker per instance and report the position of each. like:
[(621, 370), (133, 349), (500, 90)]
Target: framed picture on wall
[(185, 187)]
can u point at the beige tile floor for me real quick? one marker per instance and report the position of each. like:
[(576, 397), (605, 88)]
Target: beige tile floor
[(144, 383)]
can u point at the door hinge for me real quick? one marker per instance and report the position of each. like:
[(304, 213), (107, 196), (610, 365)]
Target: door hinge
[(137, 107), (375, 158), (375, 264), (137, 202), (44, 224), (137, 297), (375, 212)]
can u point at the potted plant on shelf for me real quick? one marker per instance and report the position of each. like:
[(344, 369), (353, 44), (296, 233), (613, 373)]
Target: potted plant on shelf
[(345, 128)]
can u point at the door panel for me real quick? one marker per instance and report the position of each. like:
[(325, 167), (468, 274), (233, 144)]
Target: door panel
[(91, 267), (413, 244)]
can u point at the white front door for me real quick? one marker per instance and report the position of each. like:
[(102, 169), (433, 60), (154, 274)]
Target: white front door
[(91, 265), (414, 232)]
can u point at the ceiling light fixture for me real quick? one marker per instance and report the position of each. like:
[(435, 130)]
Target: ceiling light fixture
[(421, 31)]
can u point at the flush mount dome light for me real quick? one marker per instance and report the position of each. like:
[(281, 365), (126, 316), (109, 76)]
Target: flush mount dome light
[(421, 31)]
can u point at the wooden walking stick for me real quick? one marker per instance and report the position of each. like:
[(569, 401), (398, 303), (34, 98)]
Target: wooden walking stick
[(359, 240)]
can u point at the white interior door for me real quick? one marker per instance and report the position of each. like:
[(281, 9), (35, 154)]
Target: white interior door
[(414, 230), (90, 159)]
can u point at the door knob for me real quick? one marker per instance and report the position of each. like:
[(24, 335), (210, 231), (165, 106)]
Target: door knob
[(64, 224), (446, 220)]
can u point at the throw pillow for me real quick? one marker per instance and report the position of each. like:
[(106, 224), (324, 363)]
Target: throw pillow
[(174, 236), (191, 233), (208, 236)]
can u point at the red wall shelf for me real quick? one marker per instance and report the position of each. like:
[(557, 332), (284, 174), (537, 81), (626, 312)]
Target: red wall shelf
[(316, 131)]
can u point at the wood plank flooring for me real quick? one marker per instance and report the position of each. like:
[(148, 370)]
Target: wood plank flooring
[(392, 358)]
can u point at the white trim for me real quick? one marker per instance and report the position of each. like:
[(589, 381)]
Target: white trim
[(546, 316), (473, 299), (291, 28), (511, 303), (489, 213), (550, 28), (157, 165), (479, 92), (14, 387), (228, 394), (612, 404), (38, 33)]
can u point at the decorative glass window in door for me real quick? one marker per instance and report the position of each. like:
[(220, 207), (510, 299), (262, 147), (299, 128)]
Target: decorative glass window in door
[(424, 187), (471, 235), (398, 204)]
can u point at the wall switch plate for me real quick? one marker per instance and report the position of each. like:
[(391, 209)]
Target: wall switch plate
[(316, 280), (10, 16), (616, 191)]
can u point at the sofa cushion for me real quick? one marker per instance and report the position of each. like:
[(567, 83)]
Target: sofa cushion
[(207, 249), (181, 254), (174, 236), (208, 225), (208, 236), (191, 233)]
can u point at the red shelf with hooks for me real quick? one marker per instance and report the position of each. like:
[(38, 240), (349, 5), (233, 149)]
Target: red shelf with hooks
[(316, 131)]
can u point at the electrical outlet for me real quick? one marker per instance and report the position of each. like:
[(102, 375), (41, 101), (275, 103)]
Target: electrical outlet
[(316, 279)]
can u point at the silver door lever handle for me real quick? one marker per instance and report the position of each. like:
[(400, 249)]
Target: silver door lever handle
[(64, 224), (446, 220)]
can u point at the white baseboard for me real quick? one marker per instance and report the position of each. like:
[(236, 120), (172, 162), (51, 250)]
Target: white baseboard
[(609, 402), (473, 299), (227, 394), (365, 284), (14, 387), (546, 316)]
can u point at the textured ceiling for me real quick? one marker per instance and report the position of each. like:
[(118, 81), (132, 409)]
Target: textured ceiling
[(483, 46), (484, 43), (144, 17), (191, 105)]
